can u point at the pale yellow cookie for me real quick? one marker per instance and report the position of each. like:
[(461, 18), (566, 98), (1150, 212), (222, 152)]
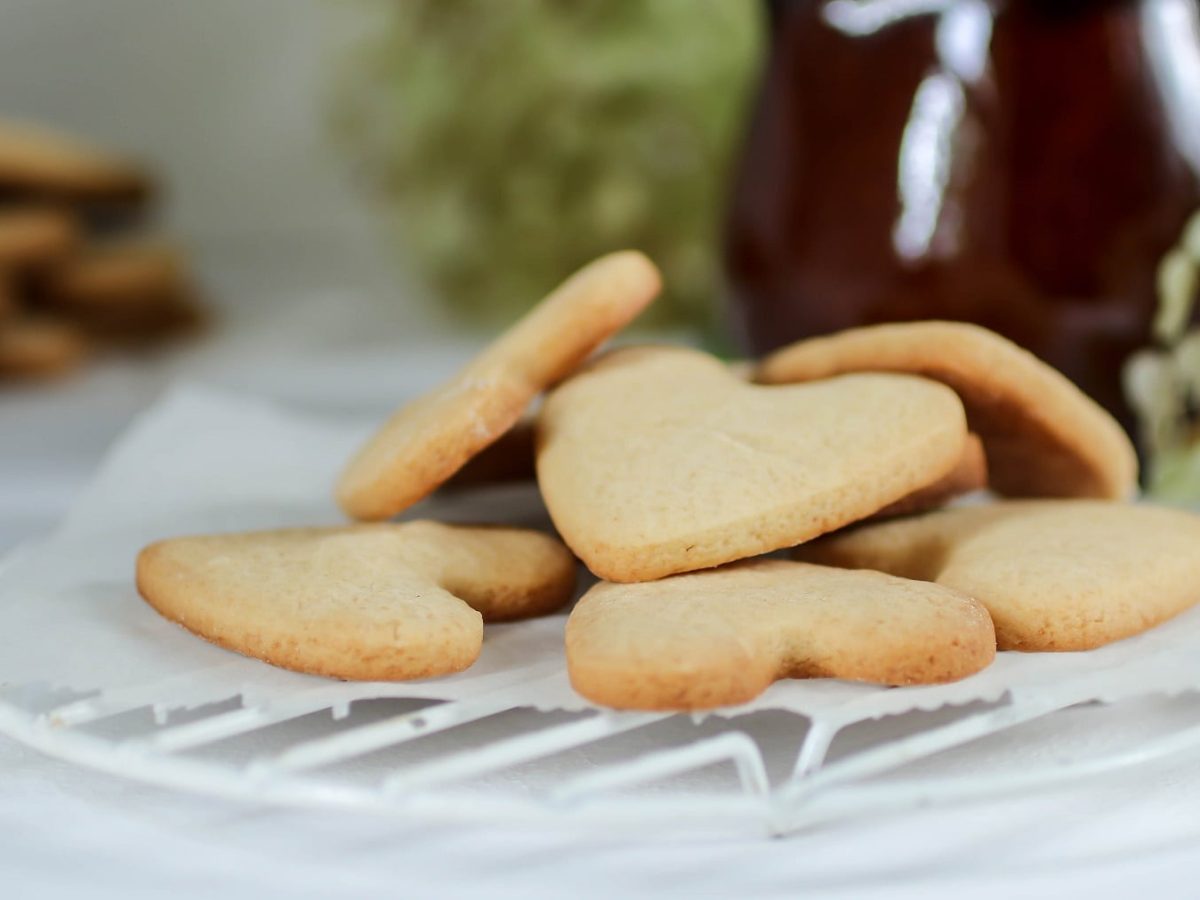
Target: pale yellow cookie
[(657, 460), (1054, 574), (1043, 436), (969, 474), (45, 164), (368, 602), (721, 637), (34, 236), (36, 349), (430, 439)]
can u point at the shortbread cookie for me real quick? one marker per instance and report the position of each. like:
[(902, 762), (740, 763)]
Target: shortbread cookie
[(39, 163), (39, 348), (374, 602), (33, 236), (722, 637), (430, 439), (969, 474), (657, 460), (1054, 574), (1043, 436)]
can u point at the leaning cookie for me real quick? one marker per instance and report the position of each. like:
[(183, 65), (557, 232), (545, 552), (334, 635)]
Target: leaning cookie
[(39, 164), (657, 460), (1043, 436), (722, 637), (373, 602), (1054, 574), (431, 438)]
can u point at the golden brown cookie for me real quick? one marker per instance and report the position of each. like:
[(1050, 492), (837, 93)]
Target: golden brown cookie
[(658, 460), (39, 348), (431, 438), (126, 275), (368, 602), (1054, 574), (36, 162), (124, 292), (969, 474), (721, 637), (1042, 435), (34, 236)]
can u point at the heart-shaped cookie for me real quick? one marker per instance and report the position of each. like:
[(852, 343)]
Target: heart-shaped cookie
[(657, 460), (428, 440), (1043, 436), (969, 474), (722, 637), (1054, 574), (368, 602)]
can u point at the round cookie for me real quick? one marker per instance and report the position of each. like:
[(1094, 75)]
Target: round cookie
[(38, 163), (1054, 574), (722, 637), (369, 602), (124, 292), (428, 440), (659, 460), (32, 237), (1043, 436), (39, 348), (126, 275)]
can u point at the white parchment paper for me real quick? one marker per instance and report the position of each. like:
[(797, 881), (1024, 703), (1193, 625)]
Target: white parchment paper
[(204, 461)]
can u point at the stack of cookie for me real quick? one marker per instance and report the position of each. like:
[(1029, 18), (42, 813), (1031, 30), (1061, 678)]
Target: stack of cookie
[(76, 272), (748, 523)]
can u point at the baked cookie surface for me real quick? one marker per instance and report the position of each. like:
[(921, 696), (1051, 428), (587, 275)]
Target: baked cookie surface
[(1054, 574), (657, 460), (369, 602), (721, 637), (1043, 436)]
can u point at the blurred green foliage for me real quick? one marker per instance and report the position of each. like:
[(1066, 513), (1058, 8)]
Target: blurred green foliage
[(509, 142)]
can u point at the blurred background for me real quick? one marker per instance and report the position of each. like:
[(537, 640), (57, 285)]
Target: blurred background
[(332, 202)]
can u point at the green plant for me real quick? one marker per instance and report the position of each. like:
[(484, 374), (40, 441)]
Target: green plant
[(509, 142), (1163, 382)]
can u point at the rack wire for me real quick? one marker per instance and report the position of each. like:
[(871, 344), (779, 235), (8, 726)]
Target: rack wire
[(368, 747)]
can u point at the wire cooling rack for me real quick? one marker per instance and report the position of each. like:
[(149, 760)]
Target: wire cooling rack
[(370, 748)]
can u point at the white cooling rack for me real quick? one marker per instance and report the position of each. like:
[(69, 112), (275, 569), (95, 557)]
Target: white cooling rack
[(354, 746)]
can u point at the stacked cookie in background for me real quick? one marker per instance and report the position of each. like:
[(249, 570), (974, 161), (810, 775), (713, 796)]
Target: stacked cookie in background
[(748, 522), (78, 272)]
